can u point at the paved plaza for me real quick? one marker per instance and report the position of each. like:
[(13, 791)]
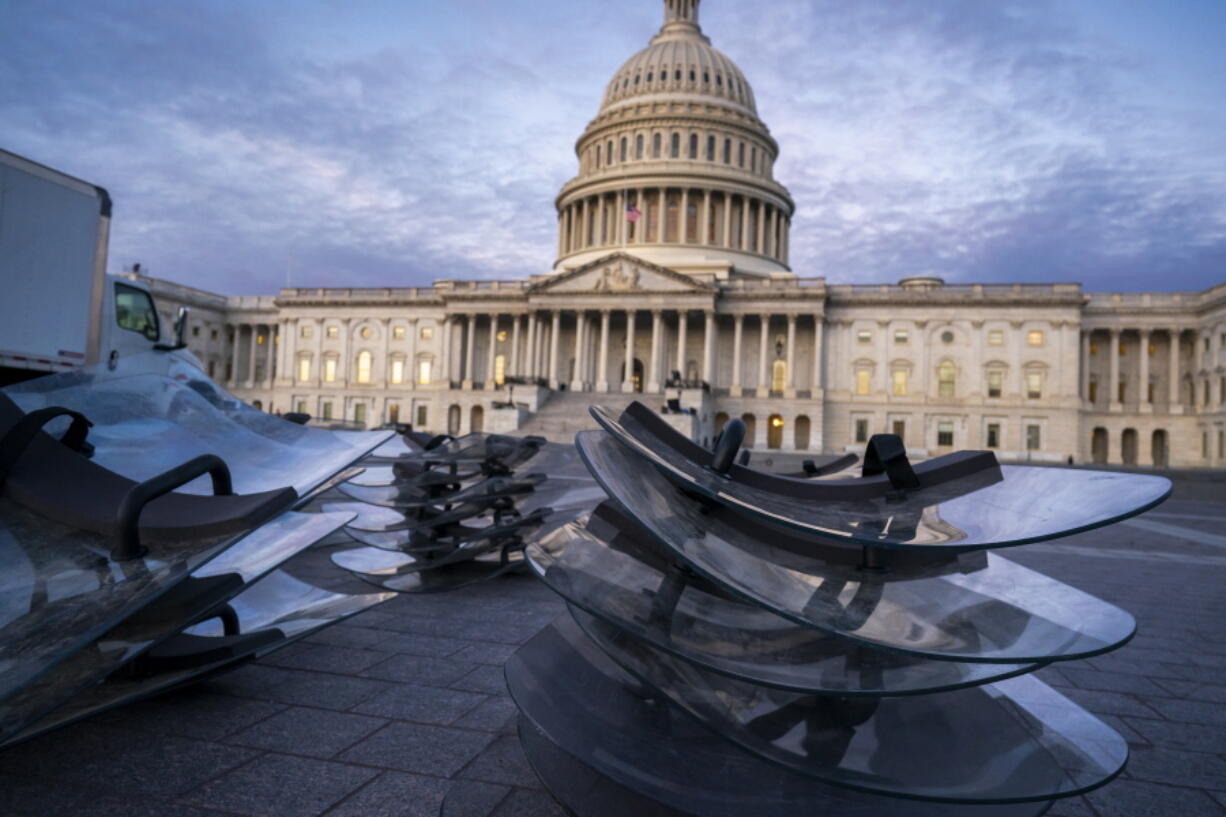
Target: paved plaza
[(403, 706)]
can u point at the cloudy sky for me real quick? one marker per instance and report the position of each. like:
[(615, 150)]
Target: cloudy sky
[(251, 143)]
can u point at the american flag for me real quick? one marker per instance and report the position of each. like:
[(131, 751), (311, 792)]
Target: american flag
[(632, 212)]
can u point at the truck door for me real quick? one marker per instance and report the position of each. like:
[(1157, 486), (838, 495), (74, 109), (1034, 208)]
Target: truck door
[(132, 326)]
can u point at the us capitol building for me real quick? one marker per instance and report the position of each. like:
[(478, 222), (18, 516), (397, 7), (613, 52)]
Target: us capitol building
[(694, 308)]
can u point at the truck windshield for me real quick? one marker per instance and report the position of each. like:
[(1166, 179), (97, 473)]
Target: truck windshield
[(134, 310)]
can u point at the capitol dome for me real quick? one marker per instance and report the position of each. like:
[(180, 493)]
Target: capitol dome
[(677, 141)]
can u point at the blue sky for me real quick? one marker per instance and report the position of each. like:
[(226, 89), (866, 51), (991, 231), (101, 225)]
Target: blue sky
[(377, 143)]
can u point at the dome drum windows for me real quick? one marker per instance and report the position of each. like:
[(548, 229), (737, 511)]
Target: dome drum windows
[(675, 151), (693, 146)]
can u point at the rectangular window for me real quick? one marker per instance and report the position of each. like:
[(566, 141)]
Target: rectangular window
[(862, 381), (1035, 337), (300, 407), (1034, 385), (1123, 387), (1204, 444), (1123, 349), (945, 434), (364, 365), (993, 440), (901, 336), (1033, 438), (304, 369), (397, 333), (421, 416), (330, 370), (306, 331), (861, 431), (900, 382), (996, 337), (393, 413), (359, 413), (325, 410), (1093, 391), (397, 371), (864, 336), (900, 429), (427, 332), (423, 373), (333, 332), (996, 382), (1150, 393)]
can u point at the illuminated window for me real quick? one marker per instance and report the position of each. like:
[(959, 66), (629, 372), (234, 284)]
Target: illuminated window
[(1034, 385), (1123, 349), (333, 332), (306, 331), (1123, 390), (779, 375), (427, 332), (902, 336), (423, 372), (1035, 337), (996, 337), (502, 336), (862, 376), (304, 368), (259, 340), (1093, 348), (330, 370), (900, 382), (397, 333), (861, 431), (995, 383), (1034, 440), (864, 336), (945, 434), (365, 359), (993, 436), (365, 332), (397, 371), (500, 368), (946, 374), (1093, 391)]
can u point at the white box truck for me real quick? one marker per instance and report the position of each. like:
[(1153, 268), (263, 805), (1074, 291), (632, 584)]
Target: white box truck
[(58, 308)]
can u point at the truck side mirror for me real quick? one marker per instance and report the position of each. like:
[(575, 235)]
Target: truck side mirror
[(181, 327)]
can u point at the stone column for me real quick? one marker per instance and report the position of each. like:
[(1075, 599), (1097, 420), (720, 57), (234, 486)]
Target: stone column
[(738, 331), (469, 349), (682, 327), (387, 352), (640, 201), (319, 351), (744, 224), (529, 367), (577, 383), (683, 222), (602, 367), (819, 330), (1113, 395), (1176, 406), (790, 386), (346, 351), (279, 364), (764, 381), (1143, 374), (773, 248), (411, 364), (444, 363), (600, 234), (514, 361), (727, 220), (255, 332), (489, 363), (234, 353), (628, 382), (708, 348), (585, 224), (760, 246), (653, 374), (1085, 365), (704, 230), (662, 230), (622, 224), (561, 233), (554, 335), (787, 240)]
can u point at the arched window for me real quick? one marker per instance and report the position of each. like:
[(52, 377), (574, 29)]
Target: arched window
[(740, 156), (946, 379), (424, 371), (719, 80), (706, 76), (656, 143), (677, 75), (500, 369), (636, 79), (710, 148), (753, 160), (676, 146), (638, 146), (693, 146), (727, 151), (598, 156), (650, 76), (365, 359), (609, 153), (304, 369), (691, 75), (398, 370), (625, 146), (779, 375)]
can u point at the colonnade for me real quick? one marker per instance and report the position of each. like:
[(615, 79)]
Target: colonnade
[(702, 217), (1204, 376), (256, 335)]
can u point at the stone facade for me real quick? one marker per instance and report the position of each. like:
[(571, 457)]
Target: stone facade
[(672, 279)]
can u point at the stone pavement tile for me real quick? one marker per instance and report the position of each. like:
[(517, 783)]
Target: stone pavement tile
[(395, 794), (24, 796), (1112, 681), (414, 669), (127, 805), (191, 713), (328, 658), (314, 732), (1109, 703), (471, 798), (421, 704), (1194, 690), (495, 714), (1189, 711), (498, 628), (528, 804), (347, 635), (407, 747), (1071, 807), (487, 679), (408, 644), (1132, 736), (1132, 798), (1115, 662), (1203, 675), (503, 761), (316, 689), (1195, 737), (494, 654), (282, 786), (1178, 767), (1220, 796)]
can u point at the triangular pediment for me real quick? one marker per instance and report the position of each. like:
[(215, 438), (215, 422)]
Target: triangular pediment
[(620, 273)]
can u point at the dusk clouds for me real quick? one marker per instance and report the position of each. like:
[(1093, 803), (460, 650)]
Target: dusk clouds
[(369, 144)]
